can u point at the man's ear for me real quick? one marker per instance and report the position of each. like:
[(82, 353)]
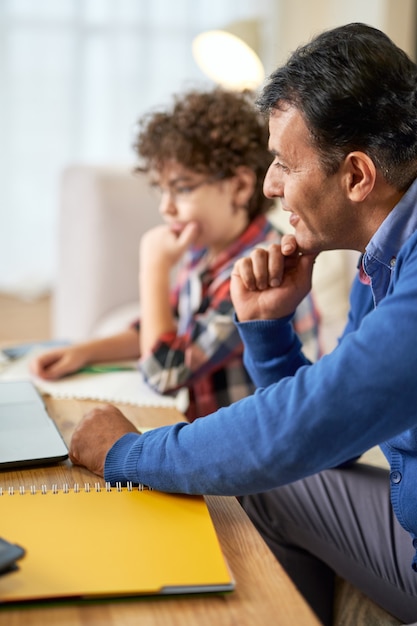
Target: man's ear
[(244, 186), (359, 175)]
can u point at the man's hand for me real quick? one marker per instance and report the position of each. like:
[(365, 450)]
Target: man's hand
[(270, 284), (99, 429)]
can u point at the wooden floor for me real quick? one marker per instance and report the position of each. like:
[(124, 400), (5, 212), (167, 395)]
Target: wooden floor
[(24, 320)]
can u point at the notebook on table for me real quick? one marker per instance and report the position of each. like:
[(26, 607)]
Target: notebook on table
[(28, 436), (128, 541), (115, 382)]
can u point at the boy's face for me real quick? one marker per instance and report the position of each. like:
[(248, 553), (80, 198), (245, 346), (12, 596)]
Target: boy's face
[(188, 196)]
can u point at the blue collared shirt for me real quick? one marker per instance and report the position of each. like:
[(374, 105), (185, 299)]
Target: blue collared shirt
[(381, 252)]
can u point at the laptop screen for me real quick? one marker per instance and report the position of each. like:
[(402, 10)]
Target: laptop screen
[(28, 436)]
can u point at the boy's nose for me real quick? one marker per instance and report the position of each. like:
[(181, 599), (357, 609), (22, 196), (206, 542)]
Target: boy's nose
[(167, 204)]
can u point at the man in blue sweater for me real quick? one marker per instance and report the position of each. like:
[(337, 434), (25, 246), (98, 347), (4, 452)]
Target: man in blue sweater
[(343, 135)]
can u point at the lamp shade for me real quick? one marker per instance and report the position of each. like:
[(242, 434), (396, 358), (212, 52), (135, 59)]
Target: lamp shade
[(228, 60)]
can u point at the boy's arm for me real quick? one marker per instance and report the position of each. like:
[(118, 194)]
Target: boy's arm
[(56, 363), (209, 341), (160, 250)]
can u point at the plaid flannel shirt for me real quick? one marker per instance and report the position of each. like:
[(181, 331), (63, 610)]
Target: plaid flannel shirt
[(206, 352)]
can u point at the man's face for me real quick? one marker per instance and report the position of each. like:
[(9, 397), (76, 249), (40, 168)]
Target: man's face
[(320, 213)]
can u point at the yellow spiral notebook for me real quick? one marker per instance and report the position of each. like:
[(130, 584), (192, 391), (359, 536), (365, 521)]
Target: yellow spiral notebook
[(109, 542)]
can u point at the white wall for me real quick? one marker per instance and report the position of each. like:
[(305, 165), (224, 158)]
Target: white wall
[(76, 74), (296, 21)]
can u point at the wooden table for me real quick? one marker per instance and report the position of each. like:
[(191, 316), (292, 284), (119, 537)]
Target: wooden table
[(264, 594)]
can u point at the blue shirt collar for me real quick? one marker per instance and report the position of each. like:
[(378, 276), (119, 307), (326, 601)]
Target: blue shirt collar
[(382, 250)]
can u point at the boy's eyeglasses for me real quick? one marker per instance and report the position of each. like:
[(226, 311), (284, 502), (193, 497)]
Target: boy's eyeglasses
[(181, 192)]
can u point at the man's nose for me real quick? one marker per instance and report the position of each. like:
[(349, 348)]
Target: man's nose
[(273, 184)]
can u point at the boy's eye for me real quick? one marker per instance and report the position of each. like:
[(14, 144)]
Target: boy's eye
[(183, 189)]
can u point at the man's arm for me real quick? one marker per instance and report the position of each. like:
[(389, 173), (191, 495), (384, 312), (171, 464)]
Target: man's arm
[(267, 287), (103, 429), (324, 415)]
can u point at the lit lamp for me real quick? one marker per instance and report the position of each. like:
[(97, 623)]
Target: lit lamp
[(229, 57)]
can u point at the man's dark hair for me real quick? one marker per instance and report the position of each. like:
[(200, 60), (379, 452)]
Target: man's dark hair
[(356, 90)]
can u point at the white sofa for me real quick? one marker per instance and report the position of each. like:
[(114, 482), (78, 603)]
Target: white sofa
[(103, 212)]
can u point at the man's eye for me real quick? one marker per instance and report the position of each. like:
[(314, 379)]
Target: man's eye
[(281, 166)]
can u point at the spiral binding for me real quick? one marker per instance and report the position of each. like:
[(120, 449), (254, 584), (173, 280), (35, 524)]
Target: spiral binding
[(43, 489)]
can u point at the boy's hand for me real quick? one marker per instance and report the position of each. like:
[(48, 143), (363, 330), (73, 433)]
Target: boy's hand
[(99, 429), (57, 363), (163, 244), (270, 284)]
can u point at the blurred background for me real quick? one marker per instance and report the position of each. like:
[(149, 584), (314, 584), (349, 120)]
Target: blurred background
[(77, 74)]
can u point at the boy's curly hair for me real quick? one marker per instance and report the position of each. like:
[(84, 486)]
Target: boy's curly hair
[(209, 132)]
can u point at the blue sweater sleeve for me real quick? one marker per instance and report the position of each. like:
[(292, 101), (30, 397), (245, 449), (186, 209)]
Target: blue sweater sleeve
[(361, 303), (361, 394), (272, 350)]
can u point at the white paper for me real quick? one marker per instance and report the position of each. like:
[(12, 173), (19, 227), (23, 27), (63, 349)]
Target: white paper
[(125, 387)]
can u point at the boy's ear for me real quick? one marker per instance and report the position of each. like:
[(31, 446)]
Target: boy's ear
[(359, 175), (245, 186)]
